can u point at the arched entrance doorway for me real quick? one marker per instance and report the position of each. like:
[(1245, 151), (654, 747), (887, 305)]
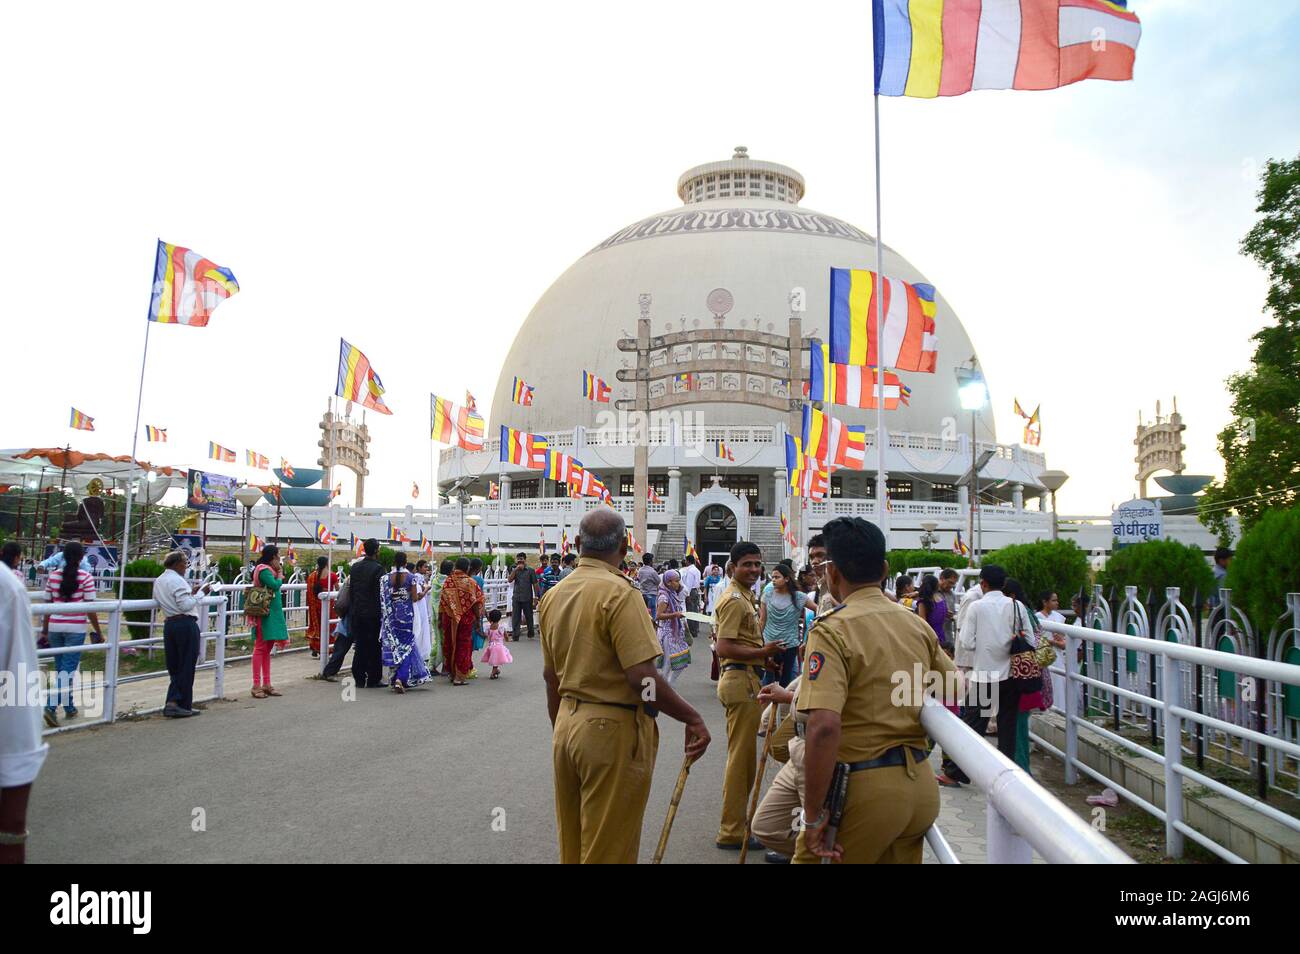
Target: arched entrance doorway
[(715, 533)]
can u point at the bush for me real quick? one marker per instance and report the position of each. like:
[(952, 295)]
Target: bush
[(142, 590), (228, 568), (1057, 565), (1266, 567), (901, 560), (1156, 564)]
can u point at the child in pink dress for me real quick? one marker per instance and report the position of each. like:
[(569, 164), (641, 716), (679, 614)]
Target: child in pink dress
[(496, 655)]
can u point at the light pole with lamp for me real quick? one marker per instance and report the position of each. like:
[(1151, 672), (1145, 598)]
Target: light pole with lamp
[(1053, 480), (473, 520), (248, 496), (929, 538), (973, 394)]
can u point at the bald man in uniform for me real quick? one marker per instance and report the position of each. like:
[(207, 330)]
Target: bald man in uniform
[(742, 657), (603, 693), (858, 713)]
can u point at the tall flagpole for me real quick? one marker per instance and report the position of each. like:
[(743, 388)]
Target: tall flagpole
[(881, 477), (130, 479)]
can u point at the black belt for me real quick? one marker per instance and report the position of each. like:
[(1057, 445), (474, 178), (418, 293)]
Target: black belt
[(648, 709), (758, 670), (894, 756), (181, 616)]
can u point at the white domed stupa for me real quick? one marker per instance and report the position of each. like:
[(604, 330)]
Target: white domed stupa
[(728, 259)]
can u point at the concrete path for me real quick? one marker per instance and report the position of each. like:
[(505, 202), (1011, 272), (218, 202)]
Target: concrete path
[(309, 777)]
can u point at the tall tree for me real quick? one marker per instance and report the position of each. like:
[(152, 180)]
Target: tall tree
[(1261, 445)]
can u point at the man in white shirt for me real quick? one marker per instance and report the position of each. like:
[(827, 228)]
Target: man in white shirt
[(22, 753), (691, 587), (178, 605), (984, 643)]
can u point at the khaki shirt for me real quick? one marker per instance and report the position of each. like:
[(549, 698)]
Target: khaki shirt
[(594, 627), (736, 617), (852, 657)]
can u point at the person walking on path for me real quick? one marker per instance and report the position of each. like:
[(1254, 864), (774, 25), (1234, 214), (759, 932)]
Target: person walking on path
[(400, 597), (598, 661), (691, 580), (270, 628), (648, 580), (178, 604), (462, 605), (365, 617), (526, 592), (497, 654), (670, 616), (319, 580), (780, 612), (71, 582)]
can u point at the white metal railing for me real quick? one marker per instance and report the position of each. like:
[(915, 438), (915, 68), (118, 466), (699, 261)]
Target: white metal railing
[(215, 631), (1167, 713), (1022, 817)]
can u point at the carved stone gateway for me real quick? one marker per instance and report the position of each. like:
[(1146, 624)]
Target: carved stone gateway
[(344, 444)]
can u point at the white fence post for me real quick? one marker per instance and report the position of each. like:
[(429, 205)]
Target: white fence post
[(219, 682), (1173, 752), (1004, 844), (110, 664), (326, 606), (1072, 644)]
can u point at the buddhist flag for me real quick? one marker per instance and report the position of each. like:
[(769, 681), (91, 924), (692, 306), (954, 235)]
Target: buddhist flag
[(907, 324), (564, 543), (338, 489), (958, 547), (450, 424), (594, 389), (522, 393), (357, 380), (415, 491), (323, 534), (722, 451), (832, 441), (686, 380), (217, 452), (541, 542), (255, 543), (254, 459), (809, 477), (81, 421), (426, 545), (849, 385), (494, 490), (285, 470), (652, 496), (357, 544), (933, 48), (469, 401), (155, 435), (559, 466), (688, 548), (187, 287), (526, 450)]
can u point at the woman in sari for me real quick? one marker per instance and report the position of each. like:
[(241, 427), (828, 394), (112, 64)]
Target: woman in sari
[(461, 607), (319, 581), (397, 599), (436, 661), (669, 616), (421, 627)]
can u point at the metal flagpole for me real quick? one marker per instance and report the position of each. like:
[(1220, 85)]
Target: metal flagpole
[(130, 479), (881, 476)]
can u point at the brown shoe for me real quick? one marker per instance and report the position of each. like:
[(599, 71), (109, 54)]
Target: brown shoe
[(271, 690), (258, 692)]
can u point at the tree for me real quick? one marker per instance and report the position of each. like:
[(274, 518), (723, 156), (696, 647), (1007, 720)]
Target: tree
[(1261, 445), (1156, 564), (1056, 565), (1266, 567)]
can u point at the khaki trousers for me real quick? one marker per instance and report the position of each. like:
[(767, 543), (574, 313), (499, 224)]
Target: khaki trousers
[(776, 822), (738, 693), (604, 759), (887, 815)]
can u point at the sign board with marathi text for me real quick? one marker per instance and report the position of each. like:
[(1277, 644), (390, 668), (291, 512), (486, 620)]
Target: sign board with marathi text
[(1137, 521)]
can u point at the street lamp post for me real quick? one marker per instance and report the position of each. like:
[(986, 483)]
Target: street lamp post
[(462, 498), (1053, 480), (473, 520), (973, 393), (248, 496), (929, 538)]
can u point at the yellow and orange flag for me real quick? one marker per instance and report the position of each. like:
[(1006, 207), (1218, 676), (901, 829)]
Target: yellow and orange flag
[(357, 379)]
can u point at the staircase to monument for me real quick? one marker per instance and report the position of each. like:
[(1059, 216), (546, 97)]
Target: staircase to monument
[(766, 532), (669, 542)]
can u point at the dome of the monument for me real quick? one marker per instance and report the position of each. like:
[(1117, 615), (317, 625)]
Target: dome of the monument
[(732, 252)]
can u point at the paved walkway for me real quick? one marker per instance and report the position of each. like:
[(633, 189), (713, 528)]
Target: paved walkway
[(439, 774)]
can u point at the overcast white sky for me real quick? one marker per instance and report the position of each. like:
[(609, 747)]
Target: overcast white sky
[(414, 176)]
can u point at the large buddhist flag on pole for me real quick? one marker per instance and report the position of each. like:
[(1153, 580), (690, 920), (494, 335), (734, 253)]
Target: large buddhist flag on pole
[(450, 424), (907, 327), (850, 385), (933, 48), (187, 287), (526, 450), (357, 379)]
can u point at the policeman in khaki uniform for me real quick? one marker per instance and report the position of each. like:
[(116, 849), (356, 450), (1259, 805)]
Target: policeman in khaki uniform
[(859, 714), (742, 657), (603, 693)]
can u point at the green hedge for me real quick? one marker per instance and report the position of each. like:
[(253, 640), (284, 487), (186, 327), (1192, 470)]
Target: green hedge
[(1057, 565), (1156, 564), (143, 590), (1266, 567), (228, 568), (901, 560)]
